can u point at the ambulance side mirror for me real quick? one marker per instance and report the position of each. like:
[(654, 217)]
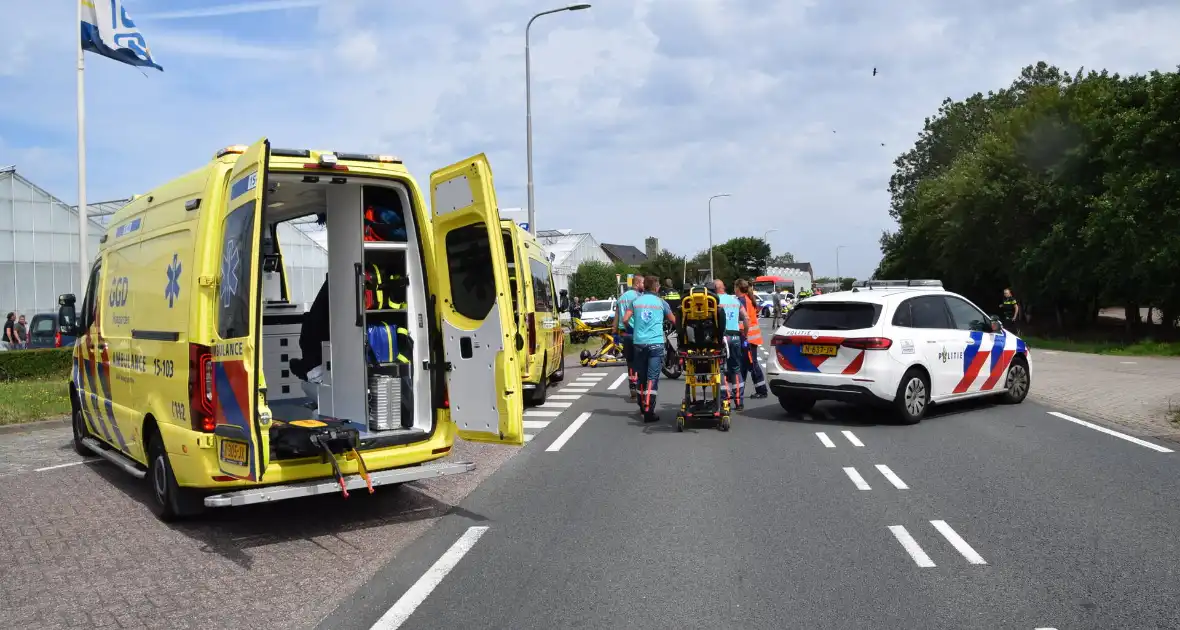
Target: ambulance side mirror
[(67, 315), (563, 304)]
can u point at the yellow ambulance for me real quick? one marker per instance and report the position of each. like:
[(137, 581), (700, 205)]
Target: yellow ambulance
[(536, 308), (194, 369)]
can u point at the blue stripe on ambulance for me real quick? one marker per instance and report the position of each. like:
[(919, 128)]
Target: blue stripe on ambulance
[(230, 409), (88, 367), (104, 377)]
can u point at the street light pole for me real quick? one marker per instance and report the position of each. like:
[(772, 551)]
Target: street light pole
[(839, 285), (712, 272), (528, 104)]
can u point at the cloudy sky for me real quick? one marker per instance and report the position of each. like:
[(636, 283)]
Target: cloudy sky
[(642, 109)]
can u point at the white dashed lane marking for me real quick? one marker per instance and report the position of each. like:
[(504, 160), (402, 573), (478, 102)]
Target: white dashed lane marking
[(862, 484), (852, 438), (536, 419), (827, 441), (919, 556)]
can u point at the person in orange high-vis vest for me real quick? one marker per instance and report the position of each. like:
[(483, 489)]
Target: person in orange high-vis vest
[(750, 359)]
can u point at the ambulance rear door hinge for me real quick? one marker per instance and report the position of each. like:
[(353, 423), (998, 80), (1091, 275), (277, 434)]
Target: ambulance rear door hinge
[(206, 281)]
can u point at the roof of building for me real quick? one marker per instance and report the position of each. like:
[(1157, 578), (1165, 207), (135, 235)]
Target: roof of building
[(626, 254), (12, 172), (561, 243)]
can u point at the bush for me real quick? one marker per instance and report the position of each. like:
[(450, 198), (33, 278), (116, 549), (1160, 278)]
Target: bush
[(32, 364)]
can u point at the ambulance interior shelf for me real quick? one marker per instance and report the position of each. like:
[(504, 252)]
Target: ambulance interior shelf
[(384, 385)]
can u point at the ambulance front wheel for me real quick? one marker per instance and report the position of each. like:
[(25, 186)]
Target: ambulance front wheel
[(79, 425), (170, 502)]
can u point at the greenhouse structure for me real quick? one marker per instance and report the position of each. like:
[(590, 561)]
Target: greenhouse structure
[(39, 248)]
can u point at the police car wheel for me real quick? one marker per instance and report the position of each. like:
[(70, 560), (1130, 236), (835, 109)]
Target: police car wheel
[(1017, 382), (170, 502), (913, 397), (79, 426)]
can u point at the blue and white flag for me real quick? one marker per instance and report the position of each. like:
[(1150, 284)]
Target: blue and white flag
[(108, 31)]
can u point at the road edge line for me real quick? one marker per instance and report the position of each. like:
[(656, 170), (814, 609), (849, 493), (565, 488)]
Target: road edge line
[(405, 606), (1102, 429)]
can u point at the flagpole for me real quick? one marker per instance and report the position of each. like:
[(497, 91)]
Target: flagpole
[(83, 219)]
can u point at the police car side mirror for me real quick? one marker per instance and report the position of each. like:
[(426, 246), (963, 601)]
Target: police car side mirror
[(994, 324)]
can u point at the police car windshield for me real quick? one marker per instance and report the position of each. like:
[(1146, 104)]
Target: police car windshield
[(833, 316), (594, 307)]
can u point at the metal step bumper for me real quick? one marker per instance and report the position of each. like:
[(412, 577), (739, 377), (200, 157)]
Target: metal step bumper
[(266, 494)]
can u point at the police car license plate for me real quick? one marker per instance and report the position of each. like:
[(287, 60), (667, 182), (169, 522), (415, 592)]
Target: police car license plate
[(822, 351), (234, 452)]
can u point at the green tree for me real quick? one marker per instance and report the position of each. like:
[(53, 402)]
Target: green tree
[(747, 255), (781, 260), (1063, 187), (698, 267), (594, 278), (665, 265)]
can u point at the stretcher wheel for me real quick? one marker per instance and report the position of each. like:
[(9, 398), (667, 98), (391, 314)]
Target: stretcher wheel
[(593, 362), (679, 423), (724, 426)]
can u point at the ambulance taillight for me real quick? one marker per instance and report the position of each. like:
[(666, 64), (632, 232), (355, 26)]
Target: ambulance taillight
[(200, 387)]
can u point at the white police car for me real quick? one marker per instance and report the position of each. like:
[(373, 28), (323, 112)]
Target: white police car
[(904, 344), (598, 312)]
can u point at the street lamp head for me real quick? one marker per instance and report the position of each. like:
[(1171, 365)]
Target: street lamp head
[(577, 7)]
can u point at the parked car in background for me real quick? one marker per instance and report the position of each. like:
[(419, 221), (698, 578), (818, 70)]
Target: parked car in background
[(44, 332), (598, 312)]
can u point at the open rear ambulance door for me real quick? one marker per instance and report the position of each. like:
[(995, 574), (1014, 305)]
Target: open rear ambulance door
[(243, 444), (475, 301)]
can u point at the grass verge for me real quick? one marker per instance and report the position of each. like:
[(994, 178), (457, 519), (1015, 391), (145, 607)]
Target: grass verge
[(1145, 348), (28, 400)]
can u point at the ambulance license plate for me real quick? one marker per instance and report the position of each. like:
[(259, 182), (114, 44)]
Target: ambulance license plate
[(821, 351), (234, 452)]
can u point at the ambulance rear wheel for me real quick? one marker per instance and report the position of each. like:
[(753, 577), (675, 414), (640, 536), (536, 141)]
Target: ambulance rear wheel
[(170, 502), (80, 431)]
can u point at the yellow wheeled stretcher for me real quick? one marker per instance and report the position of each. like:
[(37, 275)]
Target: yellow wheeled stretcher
[(611, 351), (701, 346)]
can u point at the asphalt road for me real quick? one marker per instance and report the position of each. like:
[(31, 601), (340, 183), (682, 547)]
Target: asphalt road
[(981, 517)]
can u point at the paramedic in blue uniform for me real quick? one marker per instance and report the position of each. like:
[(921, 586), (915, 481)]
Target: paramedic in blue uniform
[(624, 330), (735, 321), (647, 315)]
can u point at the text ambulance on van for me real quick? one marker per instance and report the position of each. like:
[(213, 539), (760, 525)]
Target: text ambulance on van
[(187, 369)]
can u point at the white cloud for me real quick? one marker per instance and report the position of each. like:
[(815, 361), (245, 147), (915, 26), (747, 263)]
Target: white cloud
[(642, 109), (235, 9)]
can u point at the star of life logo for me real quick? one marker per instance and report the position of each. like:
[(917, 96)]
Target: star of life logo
[(231, 262)]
